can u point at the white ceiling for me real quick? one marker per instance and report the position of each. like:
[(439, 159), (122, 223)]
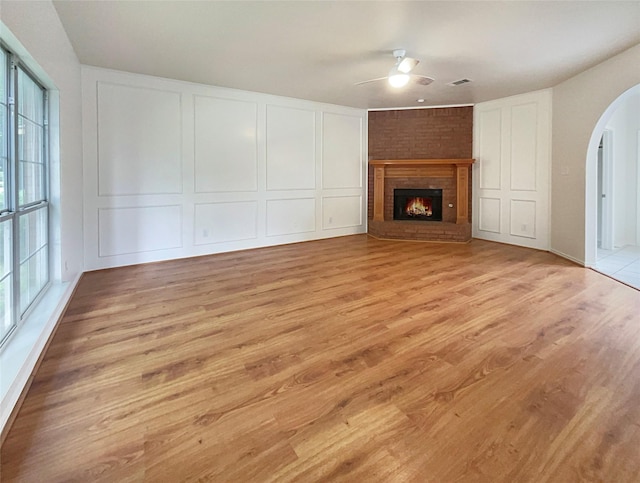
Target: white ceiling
[(317, 50)]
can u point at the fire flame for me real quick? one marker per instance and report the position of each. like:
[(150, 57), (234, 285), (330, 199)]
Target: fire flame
[(419, 207)]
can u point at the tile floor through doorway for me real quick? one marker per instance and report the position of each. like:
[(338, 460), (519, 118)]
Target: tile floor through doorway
[(623, 264)]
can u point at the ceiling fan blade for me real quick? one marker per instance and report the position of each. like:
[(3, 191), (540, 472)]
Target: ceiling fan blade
[(407, 64), (423, 80), (370, 80)]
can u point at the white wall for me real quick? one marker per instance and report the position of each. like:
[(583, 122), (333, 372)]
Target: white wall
[(625, 125), (579, 118), (173, 169), (34, 32), (512, 148), (37, 28)]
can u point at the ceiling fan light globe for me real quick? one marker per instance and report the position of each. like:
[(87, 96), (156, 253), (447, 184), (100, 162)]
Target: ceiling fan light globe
[(407, 64), (398, 79)]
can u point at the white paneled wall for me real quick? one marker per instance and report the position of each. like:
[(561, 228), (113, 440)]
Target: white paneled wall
[(291, 148), (297, 215), (341, 211), (214, 225), (225, 142), (512, 147), (173, 169), (138, 229), (337, 148), (143, 124)]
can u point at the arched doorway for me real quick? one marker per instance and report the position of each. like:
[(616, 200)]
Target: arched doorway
[(612, 218)]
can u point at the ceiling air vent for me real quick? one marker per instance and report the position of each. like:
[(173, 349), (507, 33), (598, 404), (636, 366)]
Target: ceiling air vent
[(459, 82)]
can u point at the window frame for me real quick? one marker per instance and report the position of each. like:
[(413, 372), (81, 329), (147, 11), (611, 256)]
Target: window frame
[(14, 211)]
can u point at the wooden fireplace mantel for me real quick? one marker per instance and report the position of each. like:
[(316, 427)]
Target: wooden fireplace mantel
[(416, 168)]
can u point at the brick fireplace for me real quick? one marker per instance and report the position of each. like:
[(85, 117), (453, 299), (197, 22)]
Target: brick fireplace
[(449, 175), (426, 146)]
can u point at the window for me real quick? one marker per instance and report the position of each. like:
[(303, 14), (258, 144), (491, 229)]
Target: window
[(24, 206)]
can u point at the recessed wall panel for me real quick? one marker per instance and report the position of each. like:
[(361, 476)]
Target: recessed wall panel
[(523, 218), (290, 148), (341, 151), (489, 161), (341, 212), (225, 145), (285, 217), (139, 141), (524, 124), (139, 229), (524, 171), (489, 216), (224, 222)]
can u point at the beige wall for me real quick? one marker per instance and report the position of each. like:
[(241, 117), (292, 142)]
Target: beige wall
[(578, 107)]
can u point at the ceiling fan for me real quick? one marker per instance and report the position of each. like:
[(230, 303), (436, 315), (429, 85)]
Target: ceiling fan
[(399, 75)]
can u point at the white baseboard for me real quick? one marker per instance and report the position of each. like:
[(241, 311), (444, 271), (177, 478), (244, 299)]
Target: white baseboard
[(568, 257)]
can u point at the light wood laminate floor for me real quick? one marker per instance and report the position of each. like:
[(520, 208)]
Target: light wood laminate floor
[(348, 359)]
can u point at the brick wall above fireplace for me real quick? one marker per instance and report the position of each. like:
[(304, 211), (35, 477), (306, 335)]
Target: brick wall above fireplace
[(421, 133)]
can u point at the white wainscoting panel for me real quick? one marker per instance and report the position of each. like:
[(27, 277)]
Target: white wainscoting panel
[(139, 229), (489, 215), (489, 142), (291, 148), (523, 218), (225, 222), (524, 146), (341, 151), (512, 148), (286, 217), (341, 212), (139, 140), (174, 169), (226, 156)]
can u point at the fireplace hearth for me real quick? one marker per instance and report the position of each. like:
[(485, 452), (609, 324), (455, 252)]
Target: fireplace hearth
[(417, 204), (452, 176)]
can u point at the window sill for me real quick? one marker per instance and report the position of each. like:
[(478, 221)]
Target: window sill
[(23, 349)]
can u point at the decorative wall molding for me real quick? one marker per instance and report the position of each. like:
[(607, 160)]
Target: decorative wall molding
[(237, 169), (512, 146)]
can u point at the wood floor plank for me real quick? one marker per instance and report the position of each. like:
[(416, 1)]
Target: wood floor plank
[(347, 359)]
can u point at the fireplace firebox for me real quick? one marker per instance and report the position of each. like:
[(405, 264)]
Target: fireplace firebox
[(417, 204)]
